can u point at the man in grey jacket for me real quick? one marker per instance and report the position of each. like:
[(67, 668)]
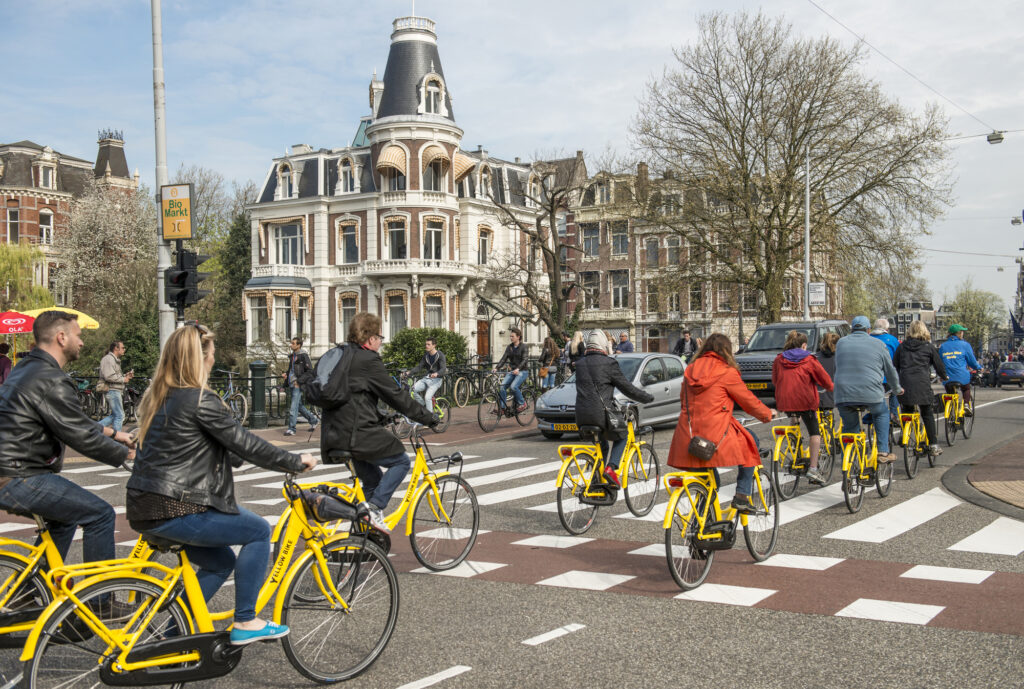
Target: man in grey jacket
[(862, 363), (110, 373)]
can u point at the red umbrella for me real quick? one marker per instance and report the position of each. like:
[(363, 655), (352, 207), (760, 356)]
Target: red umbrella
[(12, 322)]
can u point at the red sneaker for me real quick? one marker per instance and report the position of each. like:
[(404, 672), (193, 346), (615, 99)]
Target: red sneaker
[(612, 477)]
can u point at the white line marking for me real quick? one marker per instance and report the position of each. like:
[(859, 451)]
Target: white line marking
[(590, 581), (891, 611), (553, 634), (951, 574), (510, 494), (453, 671), (548, 541), (100, 486), (119, 474), (728, 595), (1015, 397), (899, 519), (1004, 536), (654, 549), (812, 562), (515, 474), (85, 470), (464, 570), (268, 501)]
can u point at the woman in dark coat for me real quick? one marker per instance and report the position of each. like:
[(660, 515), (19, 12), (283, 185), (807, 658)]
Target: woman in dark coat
[(914, 359), (598, 376)]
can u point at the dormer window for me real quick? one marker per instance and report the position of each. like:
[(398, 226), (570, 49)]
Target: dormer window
[(432, 96), (285, 182), (348, 179), (47, 177), (433, 104)]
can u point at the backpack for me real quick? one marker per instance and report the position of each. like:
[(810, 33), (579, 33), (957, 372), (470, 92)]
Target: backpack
[(328, 387)]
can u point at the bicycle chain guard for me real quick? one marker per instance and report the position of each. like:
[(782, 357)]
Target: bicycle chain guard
[(727, 541), (217, 658), (601, 495)]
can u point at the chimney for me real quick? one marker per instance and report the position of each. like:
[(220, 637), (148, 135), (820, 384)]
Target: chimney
[(641, 171)]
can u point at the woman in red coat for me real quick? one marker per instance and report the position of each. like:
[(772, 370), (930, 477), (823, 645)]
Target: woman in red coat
[(796, 374), (711, 389)]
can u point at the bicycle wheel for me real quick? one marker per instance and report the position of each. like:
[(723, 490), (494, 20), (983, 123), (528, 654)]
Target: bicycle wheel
[(641, 480), (688, 564), (329, 642), (968, 422), (526, 417), (68, 654), (30, 598), (441, 542), (853, 491), (951, 427), (761, 531), (883, 478), (444, 412), (910, 451), (782, 468), (460, 391), (488, 412), (575, 516), (826, 459), (239, 407)]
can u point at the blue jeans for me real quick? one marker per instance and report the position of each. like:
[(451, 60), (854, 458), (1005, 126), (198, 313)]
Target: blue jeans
[(208, 537), (614, 454), (116, 418), (549, 379), (299, 408), (65, 506), (515, 382), (879, 419), (379, 486), (425, 389)]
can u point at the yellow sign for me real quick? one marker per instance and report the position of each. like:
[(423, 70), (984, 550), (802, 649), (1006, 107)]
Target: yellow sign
[(176, 211)]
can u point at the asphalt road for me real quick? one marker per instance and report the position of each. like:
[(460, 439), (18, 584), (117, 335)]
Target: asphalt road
[(780, 627)]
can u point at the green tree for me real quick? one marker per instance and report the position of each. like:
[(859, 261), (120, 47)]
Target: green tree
[(17, 290), (406, 349), (981, 312)]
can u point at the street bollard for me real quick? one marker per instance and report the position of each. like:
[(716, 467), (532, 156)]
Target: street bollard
[(258, 376)]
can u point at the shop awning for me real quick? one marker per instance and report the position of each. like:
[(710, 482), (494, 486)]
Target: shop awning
[(392, 156)]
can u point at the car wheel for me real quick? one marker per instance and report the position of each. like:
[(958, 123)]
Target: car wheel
[(551, 435)]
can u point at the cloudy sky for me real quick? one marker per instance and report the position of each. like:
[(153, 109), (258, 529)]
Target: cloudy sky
[(245, 80)]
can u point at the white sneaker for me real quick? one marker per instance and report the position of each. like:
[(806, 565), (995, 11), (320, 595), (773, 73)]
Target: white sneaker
[(814, 476), (376, 517)]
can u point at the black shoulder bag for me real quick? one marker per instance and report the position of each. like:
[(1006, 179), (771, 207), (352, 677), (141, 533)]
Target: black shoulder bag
[(701, 448)]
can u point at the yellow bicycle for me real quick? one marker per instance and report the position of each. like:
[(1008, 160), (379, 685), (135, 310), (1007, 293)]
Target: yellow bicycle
[(339, 598), (861, 467), (582, 486), (696, 525), (791, 456), (955, 412), (440, 507), (914, 441)]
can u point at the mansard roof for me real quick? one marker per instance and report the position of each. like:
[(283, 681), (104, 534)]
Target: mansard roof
[(409, 61)]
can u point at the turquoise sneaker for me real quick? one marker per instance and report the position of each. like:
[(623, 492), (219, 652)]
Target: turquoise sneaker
[(270, 631)]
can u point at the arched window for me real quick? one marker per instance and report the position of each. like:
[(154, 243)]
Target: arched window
[(397, 240), (433, 176), (285, 182), (484, 247)]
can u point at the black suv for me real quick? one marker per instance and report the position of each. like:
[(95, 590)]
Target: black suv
[(766, 343)]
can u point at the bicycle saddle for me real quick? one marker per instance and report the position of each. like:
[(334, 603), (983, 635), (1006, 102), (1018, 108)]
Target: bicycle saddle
[(338, 456), (644, 430), (953, 385), (591, 429), (162, 544)]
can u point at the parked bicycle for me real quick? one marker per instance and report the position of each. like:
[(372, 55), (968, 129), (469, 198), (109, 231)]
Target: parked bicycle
[(236, 400)]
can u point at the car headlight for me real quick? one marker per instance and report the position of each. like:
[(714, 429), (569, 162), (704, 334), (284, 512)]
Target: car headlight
[(540, 404)]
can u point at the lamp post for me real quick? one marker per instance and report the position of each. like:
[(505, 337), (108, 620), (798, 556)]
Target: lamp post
[(807, 234)]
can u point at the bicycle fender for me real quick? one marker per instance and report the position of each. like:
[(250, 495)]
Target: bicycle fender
[(670, 507), (33, 637), (16, 555)]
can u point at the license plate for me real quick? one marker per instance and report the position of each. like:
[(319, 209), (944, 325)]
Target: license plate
[(757, 386), (564, 427)]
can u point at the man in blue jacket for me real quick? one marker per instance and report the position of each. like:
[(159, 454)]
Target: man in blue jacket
[(958, 356), (862, 362), (881, 332)]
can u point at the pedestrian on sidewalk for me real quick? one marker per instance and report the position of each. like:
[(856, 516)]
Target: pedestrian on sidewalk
[(115, 380), (299, 369), (915, 358)]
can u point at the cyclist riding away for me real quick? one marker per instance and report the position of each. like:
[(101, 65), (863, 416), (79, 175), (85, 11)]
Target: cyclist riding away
[(515, 357), (881, 332), (182, 488), (914, 361), (796, 375), (435, 366), (712, 388), (958, 356), (862, 362), (597, 377), (359, 428)]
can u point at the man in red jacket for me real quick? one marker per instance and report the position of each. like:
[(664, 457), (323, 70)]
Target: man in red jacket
[(797, 375)]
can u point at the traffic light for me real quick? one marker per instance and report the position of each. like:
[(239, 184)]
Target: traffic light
[(192, 260), (176, 285), (181, 281)]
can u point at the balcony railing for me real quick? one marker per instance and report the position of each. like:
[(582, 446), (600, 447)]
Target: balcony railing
[(278, 270), (418, 265), (393, 197)]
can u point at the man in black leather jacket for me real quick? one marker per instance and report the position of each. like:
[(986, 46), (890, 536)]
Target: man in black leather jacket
[(39, 415)]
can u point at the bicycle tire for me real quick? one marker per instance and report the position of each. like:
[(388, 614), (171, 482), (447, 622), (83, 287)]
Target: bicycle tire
[(883, 478), (328, 643), (33, 593), (460, 392), (430, 533), (66, 646), (968, 423), (826, 459), (576, 517), (761, 532), (688, 564), (488, 412), (526, 417), (910, 457), (853, 491), (239, 407), (782, 467), (444, 412), (643, 474), (950, 425)]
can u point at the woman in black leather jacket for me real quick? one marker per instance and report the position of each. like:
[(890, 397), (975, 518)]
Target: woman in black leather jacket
[(182, 490)]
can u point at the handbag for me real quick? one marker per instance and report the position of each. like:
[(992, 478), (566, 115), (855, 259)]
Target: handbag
[(615, 422), (543, 372), (701, 448), (102, 386)]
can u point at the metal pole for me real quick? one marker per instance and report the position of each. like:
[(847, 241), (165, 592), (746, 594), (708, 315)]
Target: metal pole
[(166, 313), (807, 235)]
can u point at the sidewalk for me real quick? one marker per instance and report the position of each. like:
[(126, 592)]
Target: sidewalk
[(994, 481)]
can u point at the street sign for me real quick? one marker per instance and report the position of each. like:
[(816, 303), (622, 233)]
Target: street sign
[(176, 211), (816, 294)]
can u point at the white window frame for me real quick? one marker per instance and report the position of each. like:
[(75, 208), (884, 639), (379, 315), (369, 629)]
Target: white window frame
[(391, 231), (285, 181), (673, 245), (283, 317), (787, 294), (620, 292), (725, 294), (438, 243), (435, 181), (673, 302), (258, 315), (16, 221), (46, 230), (346, 320), (483, 247), (591, 292), (279, 241), (618, 233), (347, 176), (703, 298), (438, 307), (43, 169), (345, 257), (595, 239), (394, 328)]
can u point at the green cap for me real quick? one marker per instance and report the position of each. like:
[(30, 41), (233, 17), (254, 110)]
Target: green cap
[(955, 328)]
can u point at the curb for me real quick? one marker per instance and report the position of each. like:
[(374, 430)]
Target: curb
[(955, 481)]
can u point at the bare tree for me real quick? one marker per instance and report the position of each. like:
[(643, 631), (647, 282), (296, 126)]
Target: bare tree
[(735, 121), (212, 204), (533, 264), (980, 311)]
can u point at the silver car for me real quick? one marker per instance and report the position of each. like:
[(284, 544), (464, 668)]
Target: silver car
[(659, 374)]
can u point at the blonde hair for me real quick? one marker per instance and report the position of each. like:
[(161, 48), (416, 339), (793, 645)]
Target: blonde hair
[(577, 340), (919, 331), (181, 366)]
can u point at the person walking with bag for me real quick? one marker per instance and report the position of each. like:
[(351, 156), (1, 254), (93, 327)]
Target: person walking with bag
[(597, 377), (711, 389), (549, 355)]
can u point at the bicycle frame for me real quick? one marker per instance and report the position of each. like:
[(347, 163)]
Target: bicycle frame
[(571, 452), (678, 484), (912, 423), (953, 406)]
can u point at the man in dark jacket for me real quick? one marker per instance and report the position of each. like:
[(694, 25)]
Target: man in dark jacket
[(358, 428), (516, 358), (299, 368), (39, 415), (598, 376)]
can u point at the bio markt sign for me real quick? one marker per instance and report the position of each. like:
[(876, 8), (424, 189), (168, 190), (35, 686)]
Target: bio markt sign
[(176, 211)]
